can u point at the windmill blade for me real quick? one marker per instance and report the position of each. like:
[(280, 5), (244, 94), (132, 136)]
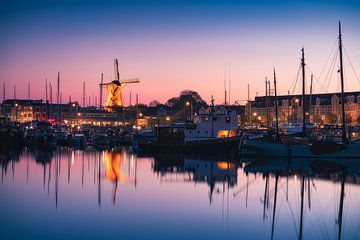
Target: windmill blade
[(133, 80)]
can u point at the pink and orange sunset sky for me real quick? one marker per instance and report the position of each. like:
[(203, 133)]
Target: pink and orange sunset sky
[(173, 45)]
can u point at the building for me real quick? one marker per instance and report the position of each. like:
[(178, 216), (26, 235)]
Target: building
[(321, 108)]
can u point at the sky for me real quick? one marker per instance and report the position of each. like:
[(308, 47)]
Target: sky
[(175, 45)]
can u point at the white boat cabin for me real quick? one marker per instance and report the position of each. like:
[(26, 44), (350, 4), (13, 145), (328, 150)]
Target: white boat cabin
[(212, 123)]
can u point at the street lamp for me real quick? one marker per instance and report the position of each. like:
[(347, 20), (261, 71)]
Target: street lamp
[(188, 103), (16, 112)]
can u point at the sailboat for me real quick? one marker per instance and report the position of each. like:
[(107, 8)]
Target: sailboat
[(304, 146)]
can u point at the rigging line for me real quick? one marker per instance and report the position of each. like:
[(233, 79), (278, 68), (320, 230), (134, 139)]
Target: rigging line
[(331, 72), (331, 53), (317, 207), (327, 79), (281, 202), (297, 78), (292, 213), (357, 78), (316, 79)]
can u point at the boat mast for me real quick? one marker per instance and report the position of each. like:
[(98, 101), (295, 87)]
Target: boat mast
[(303, 90), (267, 104), (101, 86), (276, 109), (302, 206), (341, 207), (274, 208), (311, 89), (58, 96), (344, 138)]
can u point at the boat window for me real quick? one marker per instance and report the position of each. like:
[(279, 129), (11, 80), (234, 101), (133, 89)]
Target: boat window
[(214, 118), (198, 132)]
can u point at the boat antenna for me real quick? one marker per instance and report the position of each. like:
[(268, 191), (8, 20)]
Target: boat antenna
[(58, 96), (28, 90), (303, 91), (311, 89), (229, 102), (276, 109), (267, 103), (344, 138), (101, 86), (46, 90), (225, 85), (83, 95), (4, 94)]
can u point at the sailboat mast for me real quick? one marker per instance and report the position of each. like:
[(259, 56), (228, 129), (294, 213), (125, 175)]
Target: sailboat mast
[(341, 207), (58, 96), (302, 206), (267, 104), (303, 91), (311, 89), (344, 138), (101, 86), (274, 208), (276, 109)]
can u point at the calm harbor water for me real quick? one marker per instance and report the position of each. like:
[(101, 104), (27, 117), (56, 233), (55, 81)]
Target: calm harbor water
[(67, 194)]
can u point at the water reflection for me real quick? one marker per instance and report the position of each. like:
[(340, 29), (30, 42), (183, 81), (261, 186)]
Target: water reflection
[(280, 198)]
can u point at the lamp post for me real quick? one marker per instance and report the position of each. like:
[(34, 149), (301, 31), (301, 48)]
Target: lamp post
[(16, 112), (189, 104)]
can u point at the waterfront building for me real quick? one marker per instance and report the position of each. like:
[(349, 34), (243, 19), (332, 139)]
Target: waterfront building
[(321, 108)]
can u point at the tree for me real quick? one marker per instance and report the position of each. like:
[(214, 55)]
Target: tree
[(331, 118), (179, 103), (154, 103)]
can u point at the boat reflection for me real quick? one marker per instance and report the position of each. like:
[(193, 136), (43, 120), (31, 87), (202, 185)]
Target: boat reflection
[(288, 192), (197, 170), (336, 170)]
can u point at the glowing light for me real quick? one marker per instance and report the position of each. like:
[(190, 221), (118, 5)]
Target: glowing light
[(187, 103), (72, 157), (255, 114), (226, 165), (167, 118), (140, 114), (73, 105), (297, 100), (79, 114)]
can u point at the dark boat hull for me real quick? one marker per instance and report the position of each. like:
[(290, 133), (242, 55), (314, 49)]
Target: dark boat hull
[(217, 146)]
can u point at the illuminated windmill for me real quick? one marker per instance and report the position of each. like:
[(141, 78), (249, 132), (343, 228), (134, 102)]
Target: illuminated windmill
[(114, 88)]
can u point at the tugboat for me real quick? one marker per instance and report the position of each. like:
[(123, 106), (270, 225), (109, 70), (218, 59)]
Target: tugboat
[(213, 130)]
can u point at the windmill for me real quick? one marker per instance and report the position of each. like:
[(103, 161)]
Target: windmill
[(115, 87)]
